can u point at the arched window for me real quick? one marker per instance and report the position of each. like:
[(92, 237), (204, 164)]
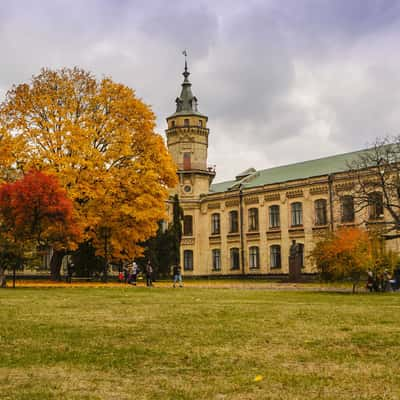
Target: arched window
[(347, 203), (297, 214), (172, 124), (233, 222), (274, 217), (253, 219), (254, 257), (275, 256), (187, 225), (235, 260), (215, 224), (186, 122), (320, 212), (188, 260), (216, 259), (375, 201)]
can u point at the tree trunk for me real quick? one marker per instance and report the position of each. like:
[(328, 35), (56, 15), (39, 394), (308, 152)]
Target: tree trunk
[(55, 265), (3, 282)]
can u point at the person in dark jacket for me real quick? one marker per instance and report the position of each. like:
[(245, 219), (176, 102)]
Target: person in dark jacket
[(149, 274), (177, 273)]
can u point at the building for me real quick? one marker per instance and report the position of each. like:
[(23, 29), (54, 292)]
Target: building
[(246, 226)]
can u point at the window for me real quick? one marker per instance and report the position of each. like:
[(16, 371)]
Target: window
[(233, 222), (188, 260), (275, 256), (216, 260), (274, 219), (188, 225), (187, 164), (375, 201), (235, 261), (347, 203), (215, 224), (200, 123), (320, 212), (254, 257), (186, 122), (253, 219), (172, 124), (297, 214)]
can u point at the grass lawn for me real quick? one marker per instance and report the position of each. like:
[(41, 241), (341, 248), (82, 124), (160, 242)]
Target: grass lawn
[(191, 343)]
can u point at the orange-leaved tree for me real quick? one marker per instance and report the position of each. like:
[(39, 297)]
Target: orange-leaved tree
[(98, 138), (36, 209), (346, 253)]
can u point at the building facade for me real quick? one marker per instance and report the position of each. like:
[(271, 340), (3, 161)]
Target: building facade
[(246, 226)]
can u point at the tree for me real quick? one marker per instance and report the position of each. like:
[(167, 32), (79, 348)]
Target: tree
[(35, 209), (163, 250), (376, 190), (176, 230), (346, 253), (99, 140)]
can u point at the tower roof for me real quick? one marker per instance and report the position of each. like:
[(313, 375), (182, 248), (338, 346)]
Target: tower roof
[(186, 103)]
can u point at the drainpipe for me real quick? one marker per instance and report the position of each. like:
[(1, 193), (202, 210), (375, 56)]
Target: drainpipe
[(330, 186), (242, 257)]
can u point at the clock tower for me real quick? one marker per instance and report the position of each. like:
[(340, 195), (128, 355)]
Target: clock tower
[(187, 141)]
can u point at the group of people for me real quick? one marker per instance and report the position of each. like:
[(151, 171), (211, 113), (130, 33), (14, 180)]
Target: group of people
[(130, 272), (383, 282)]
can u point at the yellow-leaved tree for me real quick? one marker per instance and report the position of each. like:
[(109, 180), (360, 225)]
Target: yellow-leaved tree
[(98, 138)]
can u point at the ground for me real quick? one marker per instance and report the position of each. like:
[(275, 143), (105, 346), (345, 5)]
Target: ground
[(197, 343)]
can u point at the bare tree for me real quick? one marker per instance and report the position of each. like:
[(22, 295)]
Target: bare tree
[(376, 191)]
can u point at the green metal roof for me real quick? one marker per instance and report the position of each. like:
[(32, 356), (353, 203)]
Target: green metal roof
[(291, 172)]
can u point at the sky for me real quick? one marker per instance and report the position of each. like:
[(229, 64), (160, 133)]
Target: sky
[(281, 81)]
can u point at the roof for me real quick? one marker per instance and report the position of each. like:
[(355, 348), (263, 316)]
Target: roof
[(291, 172)]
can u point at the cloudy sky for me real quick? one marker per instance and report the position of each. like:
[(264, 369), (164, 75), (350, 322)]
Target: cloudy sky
[(281, 81)]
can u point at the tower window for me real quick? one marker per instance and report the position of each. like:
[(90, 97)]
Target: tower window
[(172, 124), (200, 123), (187, 225), (186, 122), (187, 165)]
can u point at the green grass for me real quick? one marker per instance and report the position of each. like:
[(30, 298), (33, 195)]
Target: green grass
[(138, 343)]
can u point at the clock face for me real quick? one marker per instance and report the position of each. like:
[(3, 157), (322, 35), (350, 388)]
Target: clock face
[(187, 188)]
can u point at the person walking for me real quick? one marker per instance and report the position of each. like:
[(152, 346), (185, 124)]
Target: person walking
[(177, 272), (134, 274), (149, 274)]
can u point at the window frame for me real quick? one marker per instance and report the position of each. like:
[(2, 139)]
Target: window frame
[(234, 255), (275, 256), (274, 217), (216, 259), (375, 206), (296, 217), (215, 224), (347, 214), (254, 257), (188, 266), (233, 222), (320, 210)]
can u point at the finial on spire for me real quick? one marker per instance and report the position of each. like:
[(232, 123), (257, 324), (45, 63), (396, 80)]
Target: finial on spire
[(186, 73)]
